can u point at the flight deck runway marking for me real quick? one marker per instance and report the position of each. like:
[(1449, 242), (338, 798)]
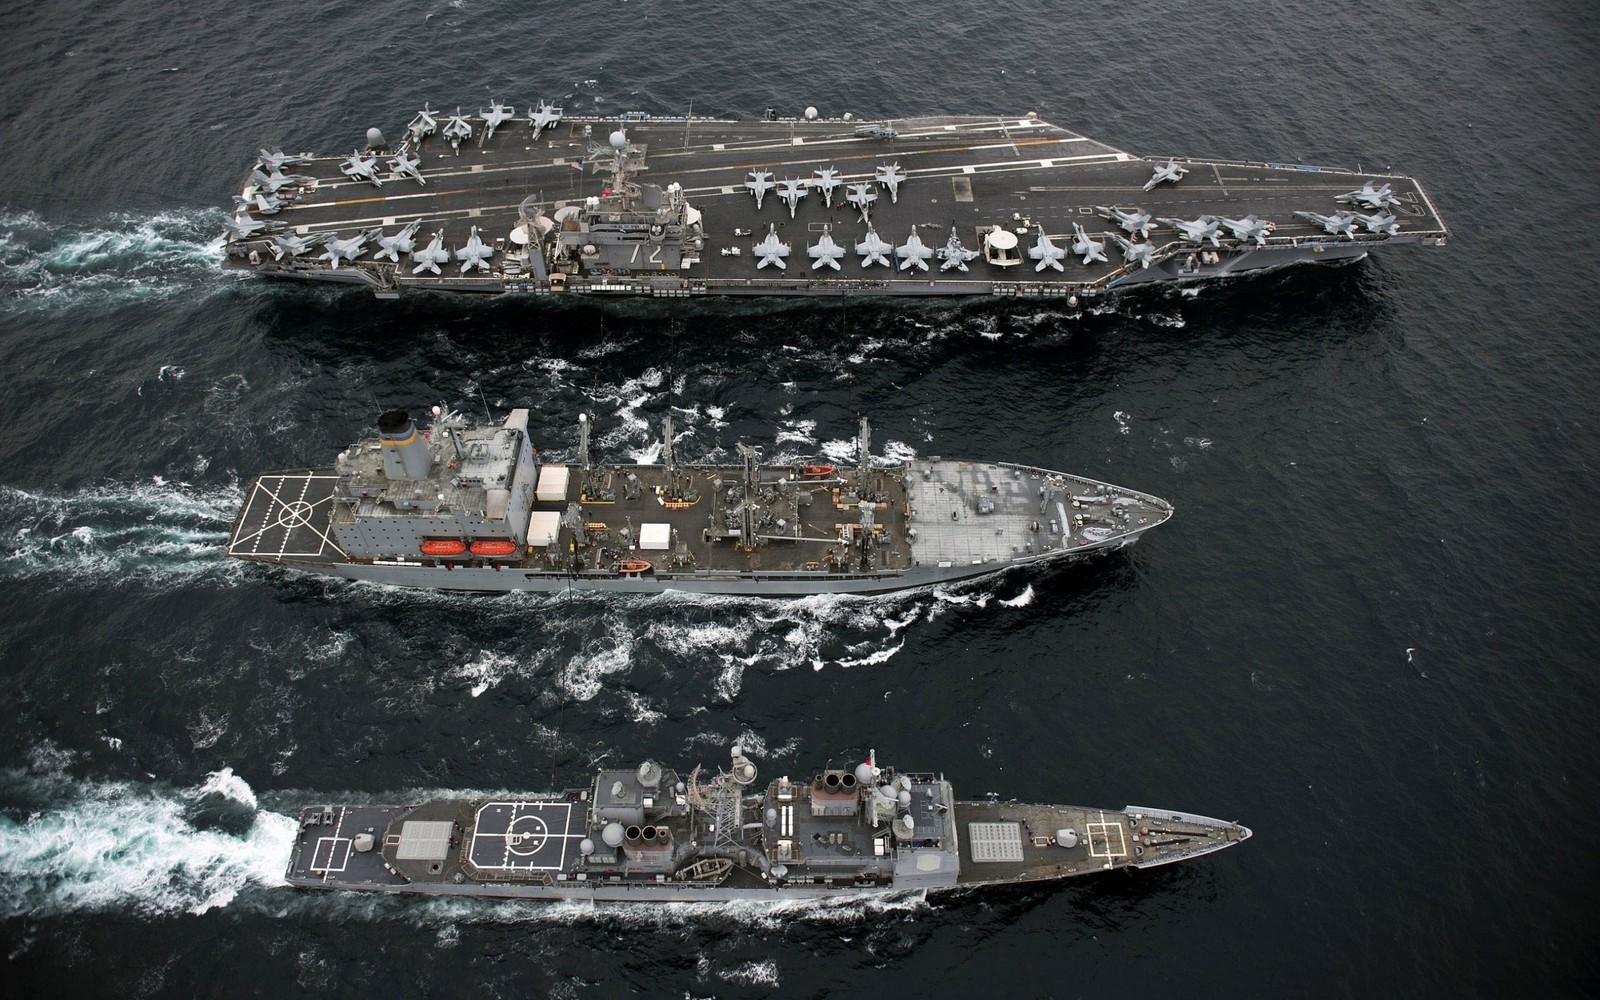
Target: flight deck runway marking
[(528, 835)]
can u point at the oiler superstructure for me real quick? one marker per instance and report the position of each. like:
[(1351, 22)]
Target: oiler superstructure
[(463, 507), (650, 834)]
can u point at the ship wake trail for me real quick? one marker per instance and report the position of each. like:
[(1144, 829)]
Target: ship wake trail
[(69, 846), (48, 268), (146, 534)]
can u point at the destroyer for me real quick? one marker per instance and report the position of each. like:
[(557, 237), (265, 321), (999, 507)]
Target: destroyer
[(648, 835), (471, 508), (681, 206)]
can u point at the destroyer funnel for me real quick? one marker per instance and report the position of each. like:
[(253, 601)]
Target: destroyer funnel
[(405, 453)]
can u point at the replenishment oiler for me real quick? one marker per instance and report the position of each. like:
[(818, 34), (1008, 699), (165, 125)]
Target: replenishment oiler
[(639, 205), (648, 835), (465, 507)]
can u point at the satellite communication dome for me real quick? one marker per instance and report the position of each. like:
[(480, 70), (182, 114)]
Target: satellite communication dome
[(375, 138), (811, 114), (612, 834), (619, 139)]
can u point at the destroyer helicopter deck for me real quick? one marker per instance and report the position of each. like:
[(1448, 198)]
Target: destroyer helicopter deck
[(985, 191)]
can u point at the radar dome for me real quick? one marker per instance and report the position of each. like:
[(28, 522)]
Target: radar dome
[(811, 114), (612, 835), (375, 138), (863, 773), (586, 847), (619, 139)]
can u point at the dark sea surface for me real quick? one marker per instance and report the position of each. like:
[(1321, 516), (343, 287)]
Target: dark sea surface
[(1371, 633)]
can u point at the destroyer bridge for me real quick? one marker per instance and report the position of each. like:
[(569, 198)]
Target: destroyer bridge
[(650, 834), (679, 206), (470, 508)]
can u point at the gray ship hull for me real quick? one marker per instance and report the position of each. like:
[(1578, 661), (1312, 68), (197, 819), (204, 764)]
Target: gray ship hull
[(966, 178)]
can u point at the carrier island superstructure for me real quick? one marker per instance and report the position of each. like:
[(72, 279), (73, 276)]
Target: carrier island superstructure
[(464, 507), (647, 834), (642, 205)]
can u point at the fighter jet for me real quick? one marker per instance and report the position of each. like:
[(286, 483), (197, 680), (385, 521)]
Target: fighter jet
[(275, 159), (1369, 197), (912, 253), (1135, 253), (423, 125), (360, 167), (276, 179), (873, 250), (825, 180), (406, 165), (263, 202), (953, 253), (1171, 172), (1338, 224), (475, 254), (1046, 253), (497, 115), (544, 116), (791, 192), (348, 249), (1092, 250), (431, 256), (1136, 221), (1249, 228), (759, 182), (861, 196), (457, 129), (876, 132), (826, 253), (1381, 223), (891, 176), (242, 227), (291, 245), (402, 242), (771, 250), (1198, 231)]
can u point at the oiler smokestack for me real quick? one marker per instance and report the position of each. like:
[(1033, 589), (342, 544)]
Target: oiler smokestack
[(405, 453)]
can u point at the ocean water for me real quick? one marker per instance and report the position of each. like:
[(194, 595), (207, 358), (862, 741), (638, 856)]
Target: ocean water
[(1370, 633)]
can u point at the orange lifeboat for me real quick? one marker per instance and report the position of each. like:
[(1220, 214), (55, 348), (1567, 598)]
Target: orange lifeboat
[(494, 547), (443, 547), (633, 567), (812, 471)]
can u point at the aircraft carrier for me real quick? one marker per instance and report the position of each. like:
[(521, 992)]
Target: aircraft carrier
[(472, 508), (647, 834), (542, 203)]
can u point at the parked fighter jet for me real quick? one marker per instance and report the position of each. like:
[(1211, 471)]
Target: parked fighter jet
[(544, 116), (1171, 172), (360, 167), (1381, 223), (266, 204), (825, 180), (912, 253), (1369, 197), (1198, 231), (402, 242), (457, 129), (1092, 250), (292, 245), (891, 176), (861, 196), (1338, 224), (1136, 221), (422, 126), (275, 179), (475, 254), (431, 256), (242, 227), (771, 250), (1249, 228), (1046, 253), (404, 164), (1135, 253), (953, 253), (791, 191), (826, 253), (758, 183), (348, 249), (876, 131), (873, 250), (275, 159), (497, 115)]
